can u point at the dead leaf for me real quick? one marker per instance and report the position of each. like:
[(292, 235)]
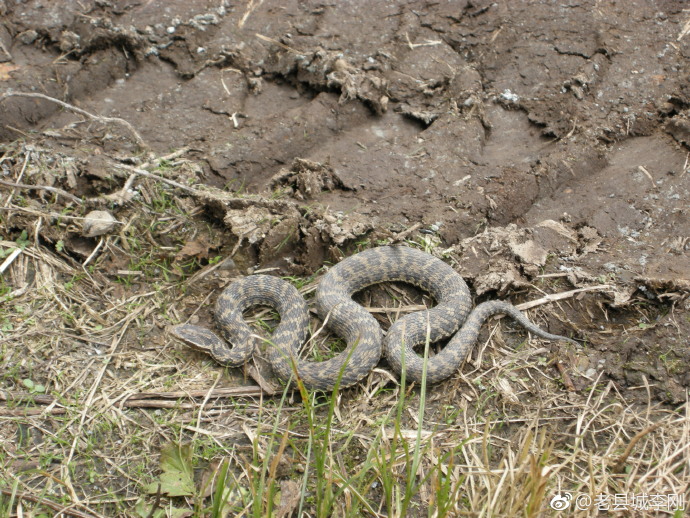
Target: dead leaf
[(289, 498), (207, 479), (198, 249)]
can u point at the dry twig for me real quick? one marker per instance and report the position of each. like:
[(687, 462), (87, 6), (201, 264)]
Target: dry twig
[(60, 509), (56, 190), (620, 463), (141, 172), (74, 109), (396, 238), (552, 297)]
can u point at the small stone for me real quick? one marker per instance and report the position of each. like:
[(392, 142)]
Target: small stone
[(228, 264), (69, 41), (510, 96), (27, 37), (97, 223)]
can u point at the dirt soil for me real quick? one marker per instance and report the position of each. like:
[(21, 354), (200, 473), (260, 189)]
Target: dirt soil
[(539, 146)]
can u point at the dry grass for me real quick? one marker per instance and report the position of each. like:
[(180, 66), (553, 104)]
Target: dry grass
[(92, 391)]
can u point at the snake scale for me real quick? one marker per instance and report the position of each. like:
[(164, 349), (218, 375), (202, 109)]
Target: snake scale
[(452, 315)]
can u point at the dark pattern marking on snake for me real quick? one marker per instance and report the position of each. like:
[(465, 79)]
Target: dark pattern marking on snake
[(453, 314)]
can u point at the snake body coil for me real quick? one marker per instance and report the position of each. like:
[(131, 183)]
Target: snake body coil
[(351, 321)]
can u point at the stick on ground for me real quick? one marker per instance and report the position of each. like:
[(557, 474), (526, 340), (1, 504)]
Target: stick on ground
[(74, 109)]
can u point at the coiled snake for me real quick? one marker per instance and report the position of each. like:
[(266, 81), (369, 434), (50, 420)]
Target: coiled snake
[(355, 324)]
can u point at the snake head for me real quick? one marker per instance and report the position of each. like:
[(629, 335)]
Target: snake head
[(197, 337), (206, 341)]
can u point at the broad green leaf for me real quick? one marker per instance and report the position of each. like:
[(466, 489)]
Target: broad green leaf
[(174, 512), (177, 478)]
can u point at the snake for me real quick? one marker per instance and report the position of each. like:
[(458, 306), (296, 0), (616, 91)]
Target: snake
[(453, 316)]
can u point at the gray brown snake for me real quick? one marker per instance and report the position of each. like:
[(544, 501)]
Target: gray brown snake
[(352, 322)]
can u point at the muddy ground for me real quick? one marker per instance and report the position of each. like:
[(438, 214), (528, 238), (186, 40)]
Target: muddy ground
[(538, 146)]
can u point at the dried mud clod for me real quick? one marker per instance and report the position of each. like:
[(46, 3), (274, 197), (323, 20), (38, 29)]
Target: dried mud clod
[(305, 179), (281, 229), (322, 70), (679, 128), (515, 256)]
